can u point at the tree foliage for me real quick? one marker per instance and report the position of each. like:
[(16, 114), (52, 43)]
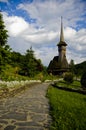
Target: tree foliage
[(72, 67), (77, 69), (80, 68), (4, 48), (68, 77), (3, 32), (30, 66), (83, 80)]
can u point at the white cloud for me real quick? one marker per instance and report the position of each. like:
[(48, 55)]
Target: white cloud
[(76, 38), (4, 1), (45, 38), (46, 54), (50, 11), (69, 33), (15, 25), (19, 29), (76, 44), (42, 37)]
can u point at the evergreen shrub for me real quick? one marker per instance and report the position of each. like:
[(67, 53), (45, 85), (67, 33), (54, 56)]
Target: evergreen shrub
[(83, 80), (68, 77)]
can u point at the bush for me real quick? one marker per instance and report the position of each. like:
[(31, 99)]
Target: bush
[(68, 77), (83, 80)]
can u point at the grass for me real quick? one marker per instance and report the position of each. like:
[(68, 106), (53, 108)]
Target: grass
[(75, 84), (68, 110)]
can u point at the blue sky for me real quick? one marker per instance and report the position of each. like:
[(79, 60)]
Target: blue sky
[(36, 23)]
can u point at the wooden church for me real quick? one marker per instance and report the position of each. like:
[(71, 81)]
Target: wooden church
[(59, 64)]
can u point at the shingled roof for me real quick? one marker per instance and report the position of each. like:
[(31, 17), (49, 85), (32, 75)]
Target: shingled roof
[(55, 67)]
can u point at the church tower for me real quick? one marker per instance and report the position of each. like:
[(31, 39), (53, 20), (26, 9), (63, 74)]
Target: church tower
[(59, 63), (62, 46)]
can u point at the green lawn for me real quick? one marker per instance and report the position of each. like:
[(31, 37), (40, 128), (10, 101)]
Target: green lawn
[(75, 84), (68, 110)]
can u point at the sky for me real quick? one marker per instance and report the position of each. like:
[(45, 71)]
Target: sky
[(37, 23)]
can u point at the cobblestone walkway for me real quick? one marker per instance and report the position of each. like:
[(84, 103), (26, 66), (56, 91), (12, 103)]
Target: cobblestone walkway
[(26, 111)]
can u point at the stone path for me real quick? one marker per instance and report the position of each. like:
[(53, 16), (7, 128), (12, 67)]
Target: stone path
[(26, 111)]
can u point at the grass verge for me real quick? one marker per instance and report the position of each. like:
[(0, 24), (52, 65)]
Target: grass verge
[(68, 110), (75, 84)]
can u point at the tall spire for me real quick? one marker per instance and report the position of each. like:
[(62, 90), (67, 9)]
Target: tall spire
[(61, 34)]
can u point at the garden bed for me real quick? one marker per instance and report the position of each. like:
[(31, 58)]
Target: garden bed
[(71, 89), (74, 87)]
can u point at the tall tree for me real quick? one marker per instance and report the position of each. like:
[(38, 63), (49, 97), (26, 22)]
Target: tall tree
[(30, 65), (30, 53), (4, 48), (3, 32), (72, 68)]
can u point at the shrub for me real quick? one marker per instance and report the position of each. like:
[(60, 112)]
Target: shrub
[(68, 77), (83, 80)]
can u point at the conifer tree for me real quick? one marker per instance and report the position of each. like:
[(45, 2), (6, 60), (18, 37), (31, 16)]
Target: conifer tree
[(4, 48), (3, 32)]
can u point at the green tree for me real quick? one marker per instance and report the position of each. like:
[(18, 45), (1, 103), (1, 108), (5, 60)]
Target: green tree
[(30, 65), (16, 59), (80, 68), (4, 48), (71, 65), (3, 32), (68, 77), (30, 53), (83, 80)]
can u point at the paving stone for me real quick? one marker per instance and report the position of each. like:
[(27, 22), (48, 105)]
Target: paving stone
[(28, 110), (38, 117), (29, 128), (27, 124), (16, 116), (10, 127), (3, 121), (1, 126)]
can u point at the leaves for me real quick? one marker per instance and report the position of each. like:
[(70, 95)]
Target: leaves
[(3, 32)]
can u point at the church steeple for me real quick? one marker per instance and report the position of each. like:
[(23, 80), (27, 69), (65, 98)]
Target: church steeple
[(61, 42), (62, 45), (59, 63), (61, 34)]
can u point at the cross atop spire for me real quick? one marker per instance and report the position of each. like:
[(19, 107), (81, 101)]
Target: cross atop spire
[(61, 34)]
